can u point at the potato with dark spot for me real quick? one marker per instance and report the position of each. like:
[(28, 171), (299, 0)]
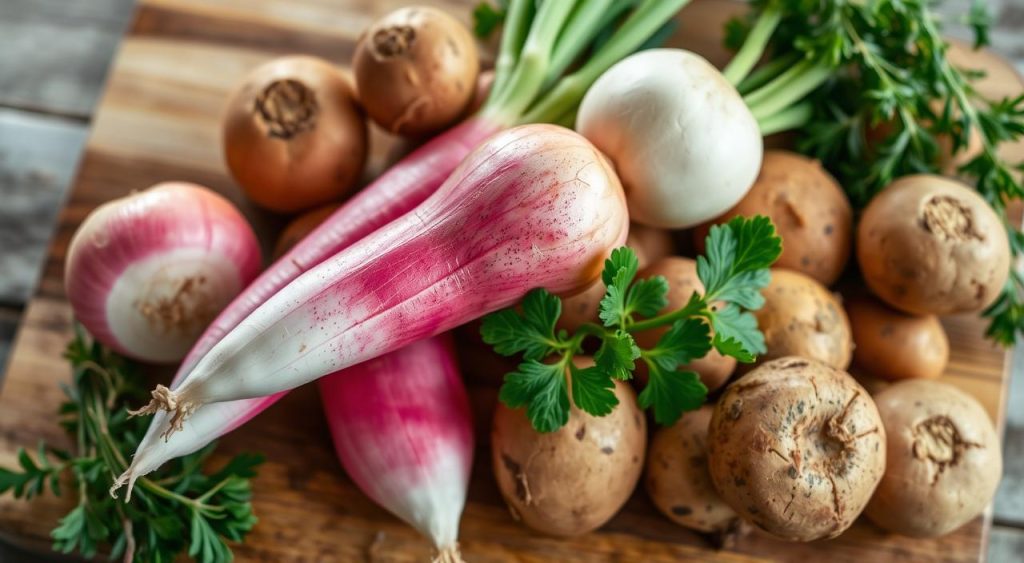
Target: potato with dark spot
[(573, 480), (893, 345), (416, 70), (648, 243), (677, 478), (931, 245), (796, 447), (801, 317), (714, 369), (944, 460), (810, 212)]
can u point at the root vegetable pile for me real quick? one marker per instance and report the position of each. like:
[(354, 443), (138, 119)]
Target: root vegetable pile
[(510, 223)]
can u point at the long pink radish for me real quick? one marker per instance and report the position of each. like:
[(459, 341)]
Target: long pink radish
[(407, 184), (534, 206), (397, 191), (403, 432)]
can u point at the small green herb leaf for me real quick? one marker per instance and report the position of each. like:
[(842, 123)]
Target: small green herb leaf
[(592, 390), (648, 296), (542, 390), (612, 309), (622, 258), (670, 393), (736, 333), (616, 355), (687, 340), (487, 18), (737, 248), (532, 333)]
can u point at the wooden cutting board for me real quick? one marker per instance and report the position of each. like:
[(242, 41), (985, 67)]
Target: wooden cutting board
[(158, 120)]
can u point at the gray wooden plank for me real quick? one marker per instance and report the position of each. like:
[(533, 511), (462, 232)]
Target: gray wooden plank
[(38, 157), (1005, 34), (8, 327), (1009, 503), (1006, 545), (56, 52)]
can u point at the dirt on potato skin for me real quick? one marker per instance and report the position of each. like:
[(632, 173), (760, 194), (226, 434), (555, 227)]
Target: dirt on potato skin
[(573, 480), (801, 317), (677, 479), (797, 447)]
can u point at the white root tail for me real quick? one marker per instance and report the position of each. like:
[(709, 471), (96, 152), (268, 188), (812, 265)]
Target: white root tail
[(448, 554), (165, 400)]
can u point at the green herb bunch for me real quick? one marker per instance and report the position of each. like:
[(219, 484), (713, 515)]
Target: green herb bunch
[(881, 95), (734, 271), (175, 509)]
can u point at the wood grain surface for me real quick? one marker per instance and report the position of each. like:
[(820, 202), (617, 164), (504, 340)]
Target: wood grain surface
[(158, 120)]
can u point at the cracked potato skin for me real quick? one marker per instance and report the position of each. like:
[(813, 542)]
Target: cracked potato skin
[(931, 245), (677, 479), (944, 459), (800, 317), (573, 480), (796, 447)]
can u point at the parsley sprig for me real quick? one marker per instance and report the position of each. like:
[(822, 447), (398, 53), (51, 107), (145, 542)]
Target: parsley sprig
[(734, 271), (877, 93), (178, 508)]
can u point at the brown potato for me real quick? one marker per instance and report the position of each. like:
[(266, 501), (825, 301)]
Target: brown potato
[(796, 447), (894, 345), (1000, 80), (931, 245), (810, 211), (943, 457), (801, 318), (714, 369), (648, 243), (573, 480), (302, 226), (677, 477), (416, 70), (293, 134)]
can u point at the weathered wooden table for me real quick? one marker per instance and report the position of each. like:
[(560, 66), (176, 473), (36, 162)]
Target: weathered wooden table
[(157, 121)]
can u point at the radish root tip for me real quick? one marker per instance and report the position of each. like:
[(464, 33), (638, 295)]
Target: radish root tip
[(448, 554), (166, 400)]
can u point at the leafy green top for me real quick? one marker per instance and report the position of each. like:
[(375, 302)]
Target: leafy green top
[(734, 270), (175, 509), (879, 98)]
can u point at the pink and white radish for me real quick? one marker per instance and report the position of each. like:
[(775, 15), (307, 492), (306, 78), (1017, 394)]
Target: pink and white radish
[(682, 139), (409, 182), (402, 430), (534, 206), (145, 274)]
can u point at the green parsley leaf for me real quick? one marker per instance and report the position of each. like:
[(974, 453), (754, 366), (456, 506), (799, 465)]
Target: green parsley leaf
[(670, 393), (592, 390), (622, 258), (542, 390), (687, 340), (616, 354), (736, 333), (739, 247), (487, 18), (612, 309), (532, 332), (648, 296)]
